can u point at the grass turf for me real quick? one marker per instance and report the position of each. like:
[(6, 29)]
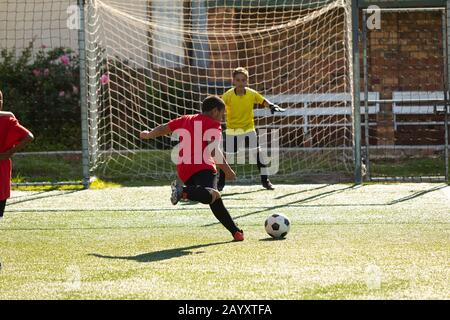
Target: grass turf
[(372, 242)]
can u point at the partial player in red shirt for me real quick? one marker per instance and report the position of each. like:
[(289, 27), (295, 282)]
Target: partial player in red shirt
[(197, 157), (13, 137)]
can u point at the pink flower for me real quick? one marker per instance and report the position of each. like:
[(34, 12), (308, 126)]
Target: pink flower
[(46, 72), (62, 94), (43, 46), (104, 79), (74, 89), (37, 72), (65, 59)]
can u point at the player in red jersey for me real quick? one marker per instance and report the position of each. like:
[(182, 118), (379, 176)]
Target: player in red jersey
[(198, 155), (13, 137)]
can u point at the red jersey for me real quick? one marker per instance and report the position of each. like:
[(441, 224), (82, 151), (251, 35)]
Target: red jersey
[(11, 132), (196, 132)]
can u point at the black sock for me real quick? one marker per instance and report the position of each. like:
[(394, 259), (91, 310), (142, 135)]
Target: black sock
[(2, 207), (260, 165), (222, 214), (264, 178), (198, 193)]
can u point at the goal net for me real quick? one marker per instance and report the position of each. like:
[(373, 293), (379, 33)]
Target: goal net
[(405, 60), (151, 61)]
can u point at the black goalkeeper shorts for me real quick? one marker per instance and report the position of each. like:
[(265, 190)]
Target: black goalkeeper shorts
[(246, 141)]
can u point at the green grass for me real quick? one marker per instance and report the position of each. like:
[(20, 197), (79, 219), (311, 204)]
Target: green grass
[(409, 167), (373, 242), (47, 168)]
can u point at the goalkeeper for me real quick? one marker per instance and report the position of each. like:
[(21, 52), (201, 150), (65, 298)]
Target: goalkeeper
[(240, 126)]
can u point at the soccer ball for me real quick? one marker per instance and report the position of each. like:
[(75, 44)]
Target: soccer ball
[(277, 225)]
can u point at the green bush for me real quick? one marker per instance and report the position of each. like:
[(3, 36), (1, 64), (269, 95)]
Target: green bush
[(42, 90)]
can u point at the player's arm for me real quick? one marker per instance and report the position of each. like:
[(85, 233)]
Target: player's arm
[(273, 107), (22, 143), (223, 165), (159, 131)]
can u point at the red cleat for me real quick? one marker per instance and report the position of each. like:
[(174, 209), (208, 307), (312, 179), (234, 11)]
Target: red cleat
[(238, 236)]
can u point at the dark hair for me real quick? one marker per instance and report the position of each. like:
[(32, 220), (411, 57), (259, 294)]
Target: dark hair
[(212, 102)]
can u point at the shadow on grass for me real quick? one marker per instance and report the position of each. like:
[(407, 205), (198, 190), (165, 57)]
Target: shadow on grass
[(416, 195), (188, 203), (301, 202), (240, 193), (27, 196), (296, 202), (272, 239), (301, 191), (161, 255)]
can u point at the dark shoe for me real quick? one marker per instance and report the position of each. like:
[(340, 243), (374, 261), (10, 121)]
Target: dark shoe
[(268, 185), (177, 190)]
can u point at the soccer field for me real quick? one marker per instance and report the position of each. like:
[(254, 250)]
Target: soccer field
[(371, 242)]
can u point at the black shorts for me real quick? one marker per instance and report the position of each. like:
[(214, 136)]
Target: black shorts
[(204, 178)]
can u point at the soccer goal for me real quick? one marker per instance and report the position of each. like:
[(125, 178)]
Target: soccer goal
[(151, 61), (96, 72)]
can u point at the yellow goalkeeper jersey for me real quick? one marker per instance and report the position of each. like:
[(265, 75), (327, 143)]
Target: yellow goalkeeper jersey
[(239, 109)]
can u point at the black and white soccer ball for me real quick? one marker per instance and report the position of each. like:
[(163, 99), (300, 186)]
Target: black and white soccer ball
[(277, 225)]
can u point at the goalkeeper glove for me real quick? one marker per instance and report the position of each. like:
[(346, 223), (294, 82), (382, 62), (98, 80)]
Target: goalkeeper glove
[(274, 108)]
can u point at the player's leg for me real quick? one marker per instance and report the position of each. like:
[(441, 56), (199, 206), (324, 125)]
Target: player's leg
[(2, 207), (220, 212), (198, 193), (202, 187), (189, 192), (193, 190), (264, 178)]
